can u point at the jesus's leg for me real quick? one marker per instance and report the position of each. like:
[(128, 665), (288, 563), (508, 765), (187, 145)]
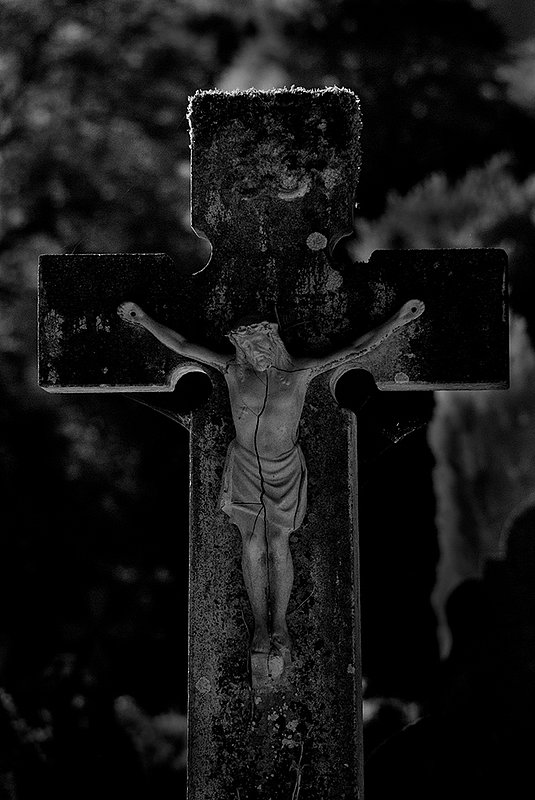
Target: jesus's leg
[(281, 576), (255, 575)]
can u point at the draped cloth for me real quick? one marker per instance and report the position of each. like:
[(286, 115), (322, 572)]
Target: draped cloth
[(274, 489)]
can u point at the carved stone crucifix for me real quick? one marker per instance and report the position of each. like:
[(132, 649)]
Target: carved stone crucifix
[(273, 177), (264, 485)]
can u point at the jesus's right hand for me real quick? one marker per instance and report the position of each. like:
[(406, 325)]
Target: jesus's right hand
[(131, 312)]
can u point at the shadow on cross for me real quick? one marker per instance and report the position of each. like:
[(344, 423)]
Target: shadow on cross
[(383, 418), (191, 392)]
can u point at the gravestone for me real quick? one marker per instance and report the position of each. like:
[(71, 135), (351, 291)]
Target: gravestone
[(273, 180)]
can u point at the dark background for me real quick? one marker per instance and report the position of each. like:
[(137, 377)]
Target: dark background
[(93, 511)]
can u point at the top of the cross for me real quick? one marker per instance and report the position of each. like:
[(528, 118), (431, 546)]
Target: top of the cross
[(311, 116), (276, 90), (258, 156)]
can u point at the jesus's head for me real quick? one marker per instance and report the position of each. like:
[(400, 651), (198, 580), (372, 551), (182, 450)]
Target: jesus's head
[(259, 345)]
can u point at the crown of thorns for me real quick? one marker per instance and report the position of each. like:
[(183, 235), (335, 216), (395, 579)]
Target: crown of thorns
[(255, 327)]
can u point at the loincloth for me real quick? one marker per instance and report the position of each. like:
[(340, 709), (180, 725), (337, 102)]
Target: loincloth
[(278, 495)]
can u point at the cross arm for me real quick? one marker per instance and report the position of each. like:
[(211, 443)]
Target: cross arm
[(461, 340), (364, 345), (85, 347)]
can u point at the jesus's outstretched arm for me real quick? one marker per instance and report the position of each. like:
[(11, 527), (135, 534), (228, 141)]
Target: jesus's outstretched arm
[(134, 314), (369, 341)]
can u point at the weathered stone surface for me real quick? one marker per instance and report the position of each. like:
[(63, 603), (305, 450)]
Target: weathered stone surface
[(82, 343), (461, 340)]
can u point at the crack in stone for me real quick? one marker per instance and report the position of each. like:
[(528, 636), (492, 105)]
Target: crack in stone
[(263, 505)]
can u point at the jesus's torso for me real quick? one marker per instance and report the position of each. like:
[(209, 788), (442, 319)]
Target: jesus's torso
[(266, 407)]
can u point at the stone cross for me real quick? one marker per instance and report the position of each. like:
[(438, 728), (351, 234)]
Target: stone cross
[(273, 181)]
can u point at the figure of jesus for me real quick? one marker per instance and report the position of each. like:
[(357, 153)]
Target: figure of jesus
[(265, 479)]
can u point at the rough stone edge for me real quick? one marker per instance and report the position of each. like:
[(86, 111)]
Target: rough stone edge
[(253, 92)]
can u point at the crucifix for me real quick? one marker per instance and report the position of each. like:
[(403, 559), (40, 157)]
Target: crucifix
[(274, 699)]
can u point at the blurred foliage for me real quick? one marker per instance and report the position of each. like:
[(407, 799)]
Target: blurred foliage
[(159, 740), (519, 75), (94, 134), (94, 157)]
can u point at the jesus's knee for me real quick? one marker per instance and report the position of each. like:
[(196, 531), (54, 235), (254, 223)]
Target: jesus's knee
[(278, 543), (254, 541)]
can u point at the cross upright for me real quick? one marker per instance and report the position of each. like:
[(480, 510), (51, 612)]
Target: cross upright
[(274, 698)]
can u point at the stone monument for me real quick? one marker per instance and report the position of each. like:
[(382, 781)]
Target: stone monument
[(274, 644)]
